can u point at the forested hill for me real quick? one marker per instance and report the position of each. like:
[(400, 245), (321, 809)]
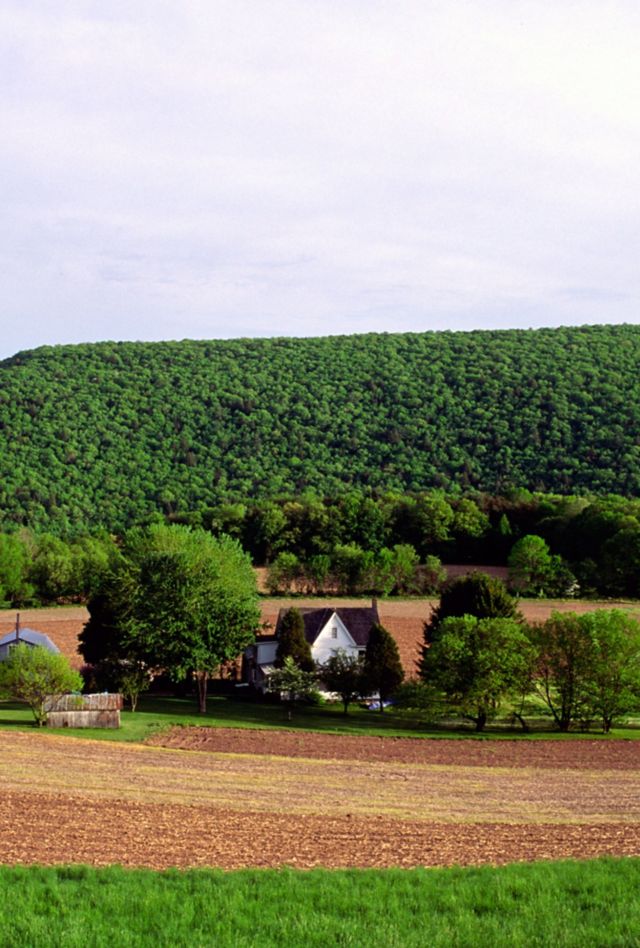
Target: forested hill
[(108, 433)]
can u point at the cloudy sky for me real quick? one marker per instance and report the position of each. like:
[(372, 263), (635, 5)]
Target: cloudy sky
[(216, 168)]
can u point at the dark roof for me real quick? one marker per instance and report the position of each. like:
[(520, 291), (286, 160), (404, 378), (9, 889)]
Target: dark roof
[(357, 619), (31, 637)]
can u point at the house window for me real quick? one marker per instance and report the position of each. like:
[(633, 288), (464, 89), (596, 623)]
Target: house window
[(334, 632)]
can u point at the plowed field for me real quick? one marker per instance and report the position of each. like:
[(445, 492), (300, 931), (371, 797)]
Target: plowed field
[(74, 800)]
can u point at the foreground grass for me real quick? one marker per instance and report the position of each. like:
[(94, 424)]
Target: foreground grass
[(564, 904), (157, 713)]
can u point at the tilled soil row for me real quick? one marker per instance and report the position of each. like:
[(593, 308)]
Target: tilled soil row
[(569, 754), (60, 829)]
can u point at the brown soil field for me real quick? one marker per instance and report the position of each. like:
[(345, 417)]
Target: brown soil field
[(554, 755), (404, 618), (75, 800)]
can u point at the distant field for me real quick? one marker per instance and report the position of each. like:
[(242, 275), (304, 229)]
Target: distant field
[(403, 617)]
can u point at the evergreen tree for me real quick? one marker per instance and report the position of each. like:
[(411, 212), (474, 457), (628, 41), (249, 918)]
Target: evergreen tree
[(476, 595), (292, 643), (382, 666)]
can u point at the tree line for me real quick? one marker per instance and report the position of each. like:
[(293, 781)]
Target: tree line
[(111, 434), (180, 600), (554, 545)]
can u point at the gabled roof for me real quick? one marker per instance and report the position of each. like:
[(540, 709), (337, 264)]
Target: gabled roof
[(31, 637), (357, 620)]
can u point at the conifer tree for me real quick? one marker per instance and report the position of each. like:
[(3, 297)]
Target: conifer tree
[(382, 667), (292, 642)]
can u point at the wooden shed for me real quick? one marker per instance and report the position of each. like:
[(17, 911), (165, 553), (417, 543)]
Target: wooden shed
[(101, 710)]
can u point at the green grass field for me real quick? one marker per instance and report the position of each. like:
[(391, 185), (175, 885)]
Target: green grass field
[(542, 904), (157, 713)]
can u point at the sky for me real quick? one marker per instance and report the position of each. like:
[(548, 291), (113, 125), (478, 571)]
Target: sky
[(220, 168)]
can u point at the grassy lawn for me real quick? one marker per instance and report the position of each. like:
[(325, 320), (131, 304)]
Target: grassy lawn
[(538, 904), (157, 713)]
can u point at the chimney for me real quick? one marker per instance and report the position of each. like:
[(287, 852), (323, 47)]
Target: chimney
[(17, 627), (374, 603)]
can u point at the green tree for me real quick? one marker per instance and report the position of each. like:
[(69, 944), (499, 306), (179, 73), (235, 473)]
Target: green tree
[(530, 566), (263, 527), (133, 678), (15, 590), (53, 570), (432, 576), (182, 600), (318, 570), (563, 659), (475, 594), (612, 682), (343, 674), (589, 666), (116, 662), (404, 568), (292, 642), (477, 663), (284, 573), (347, 566), (33, 674), (469, 521), (621, 562), (293, 683), (383, 670), (93, 556), (381, 579)]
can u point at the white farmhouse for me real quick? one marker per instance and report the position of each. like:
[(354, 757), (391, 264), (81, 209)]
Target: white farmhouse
[(327, 629)]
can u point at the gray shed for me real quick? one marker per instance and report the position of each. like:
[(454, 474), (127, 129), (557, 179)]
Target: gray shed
[(25, 637)]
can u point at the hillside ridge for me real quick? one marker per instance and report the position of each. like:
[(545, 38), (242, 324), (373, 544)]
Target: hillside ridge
[(110, 433)]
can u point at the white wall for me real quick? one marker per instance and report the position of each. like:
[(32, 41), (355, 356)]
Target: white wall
[(326, 644)]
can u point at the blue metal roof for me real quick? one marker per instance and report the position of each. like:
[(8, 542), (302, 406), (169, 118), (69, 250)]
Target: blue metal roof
[(30, 637)]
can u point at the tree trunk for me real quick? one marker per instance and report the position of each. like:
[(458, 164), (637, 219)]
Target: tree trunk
[(481, 720), (202, 679), (518, 717)]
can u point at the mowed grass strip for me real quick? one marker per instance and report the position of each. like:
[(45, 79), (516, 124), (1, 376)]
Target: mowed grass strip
[(156, 715), (48, 763), (565, 904)]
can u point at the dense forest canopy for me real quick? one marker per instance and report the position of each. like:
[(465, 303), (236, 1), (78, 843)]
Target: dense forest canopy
[(108, 434)]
